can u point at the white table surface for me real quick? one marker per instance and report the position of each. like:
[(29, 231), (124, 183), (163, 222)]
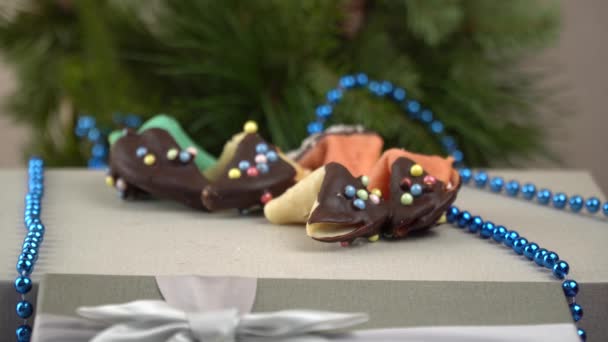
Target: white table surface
[(90, 230)]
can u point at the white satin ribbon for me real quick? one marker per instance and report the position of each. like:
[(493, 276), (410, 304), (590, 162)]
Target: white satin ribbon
[(157, 321)]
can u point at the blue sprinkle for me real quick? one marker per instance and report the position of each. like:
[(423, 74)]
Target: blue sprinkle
[(350, 191), (261, 148), (141, 151), (359, 204), (262, 167), (184, 156), (244, 165), (272, 156), (416, 190)]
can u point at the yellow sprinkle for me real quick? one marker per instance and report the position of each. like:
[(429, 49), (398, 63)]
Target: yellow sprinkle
[(416, 170), (442, 219), (234, 173), (373, 238), (377, 192), (250, 127), (109, 181), (172, 154), (149, 159), (365, 180)]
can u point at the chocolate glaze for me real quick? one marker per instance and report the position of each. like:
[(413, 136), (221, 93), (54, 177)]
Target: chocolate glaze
[(426, 209), (166, 178), (245, 192), (335, 208)]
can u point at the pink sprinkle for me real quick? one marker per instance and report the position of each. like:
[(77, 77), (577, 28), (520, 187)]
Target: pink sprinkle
[(374, 198), (430, 180), (260, 159), (252, 172), (192, 150), (266, 197)]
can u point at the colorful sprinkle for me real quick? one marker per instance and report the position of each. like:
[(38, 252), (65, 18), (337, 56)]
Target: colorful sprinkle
[(234, 173), (406, 183), (359, 204), (416, 190), (250, 127), (429, 180), (252, 172), (350, 191), (365, 180), (407, 199), (442, 219), (244, 165), (374, 198), (109, 181), (362, 194), (141, 151), (261, 159), (263, 168), (373, 238), (184, 156), (416, 170), (149, 159), (172, 154), (261, 148), (121, 185), (266, 197), (272, 156), (192, 150), (377, 192)]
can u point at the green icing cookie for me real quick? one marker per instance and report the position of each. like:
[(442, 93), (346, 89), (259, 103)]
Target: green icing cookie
[(203, 159)]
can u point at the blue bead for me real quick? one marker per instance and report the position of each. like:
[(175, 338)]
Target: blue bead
[(315, 127), (27, 256), (350, 191), (31, 239), (24, 333), (85, 121), (481, 179), (475, 224), (577, 311), (559, 200), (605, 208), (519, 245), (592, 204), (464, 218), (570, 288), (272, 156), (374, 88), (184, 156), (413, 107), (499, 233), (99, 150), (465, 175), (96, 163), (582, 334), (530, 249), (399, 94), (550, 259), (458, 156), (359, 204), (244, 165), (362, 79), (452, 214), (560, 269), (447, 141), (24, 309), (24, 267), (510, 238), (528, 190), (132, 121), (334, 95), (262, 167), (576, 203), (324, 111), (37, 235), (22, 284), (386, 87), (539, 256), (487, 229), (543, 196), (496, 184), (347, 81), (261, 148), (36, 227), (426, 116), (416, 190), (512, 188), (30, 245), (437, 127)]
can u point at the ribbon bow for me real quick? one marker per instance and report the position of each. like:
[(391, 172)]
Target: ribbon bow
[(157, 321)]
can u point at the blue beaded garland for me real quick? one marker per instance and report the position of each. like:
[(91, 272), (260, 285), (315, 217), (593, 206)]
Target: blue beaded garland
[(481, 179), (452, 214), (475, 224), (561, 269), (465, 175), (463, 219), (530, 250), (577, 311), (528, 191), (24, 309), (582, 334), (22, 284), (605, 209), (539, 257), (24, 333), (543, 196), (510, 238), (24, 266), (570, 288), (519, 245), (499, 233), (576, 203), (496, 184), (487, 229), (592, 204), (559, 200), (512, 188), (550, 259)]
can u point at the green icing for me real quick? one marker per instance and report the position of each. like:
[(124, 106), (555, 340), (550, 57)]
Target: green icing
[(203, 159)]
